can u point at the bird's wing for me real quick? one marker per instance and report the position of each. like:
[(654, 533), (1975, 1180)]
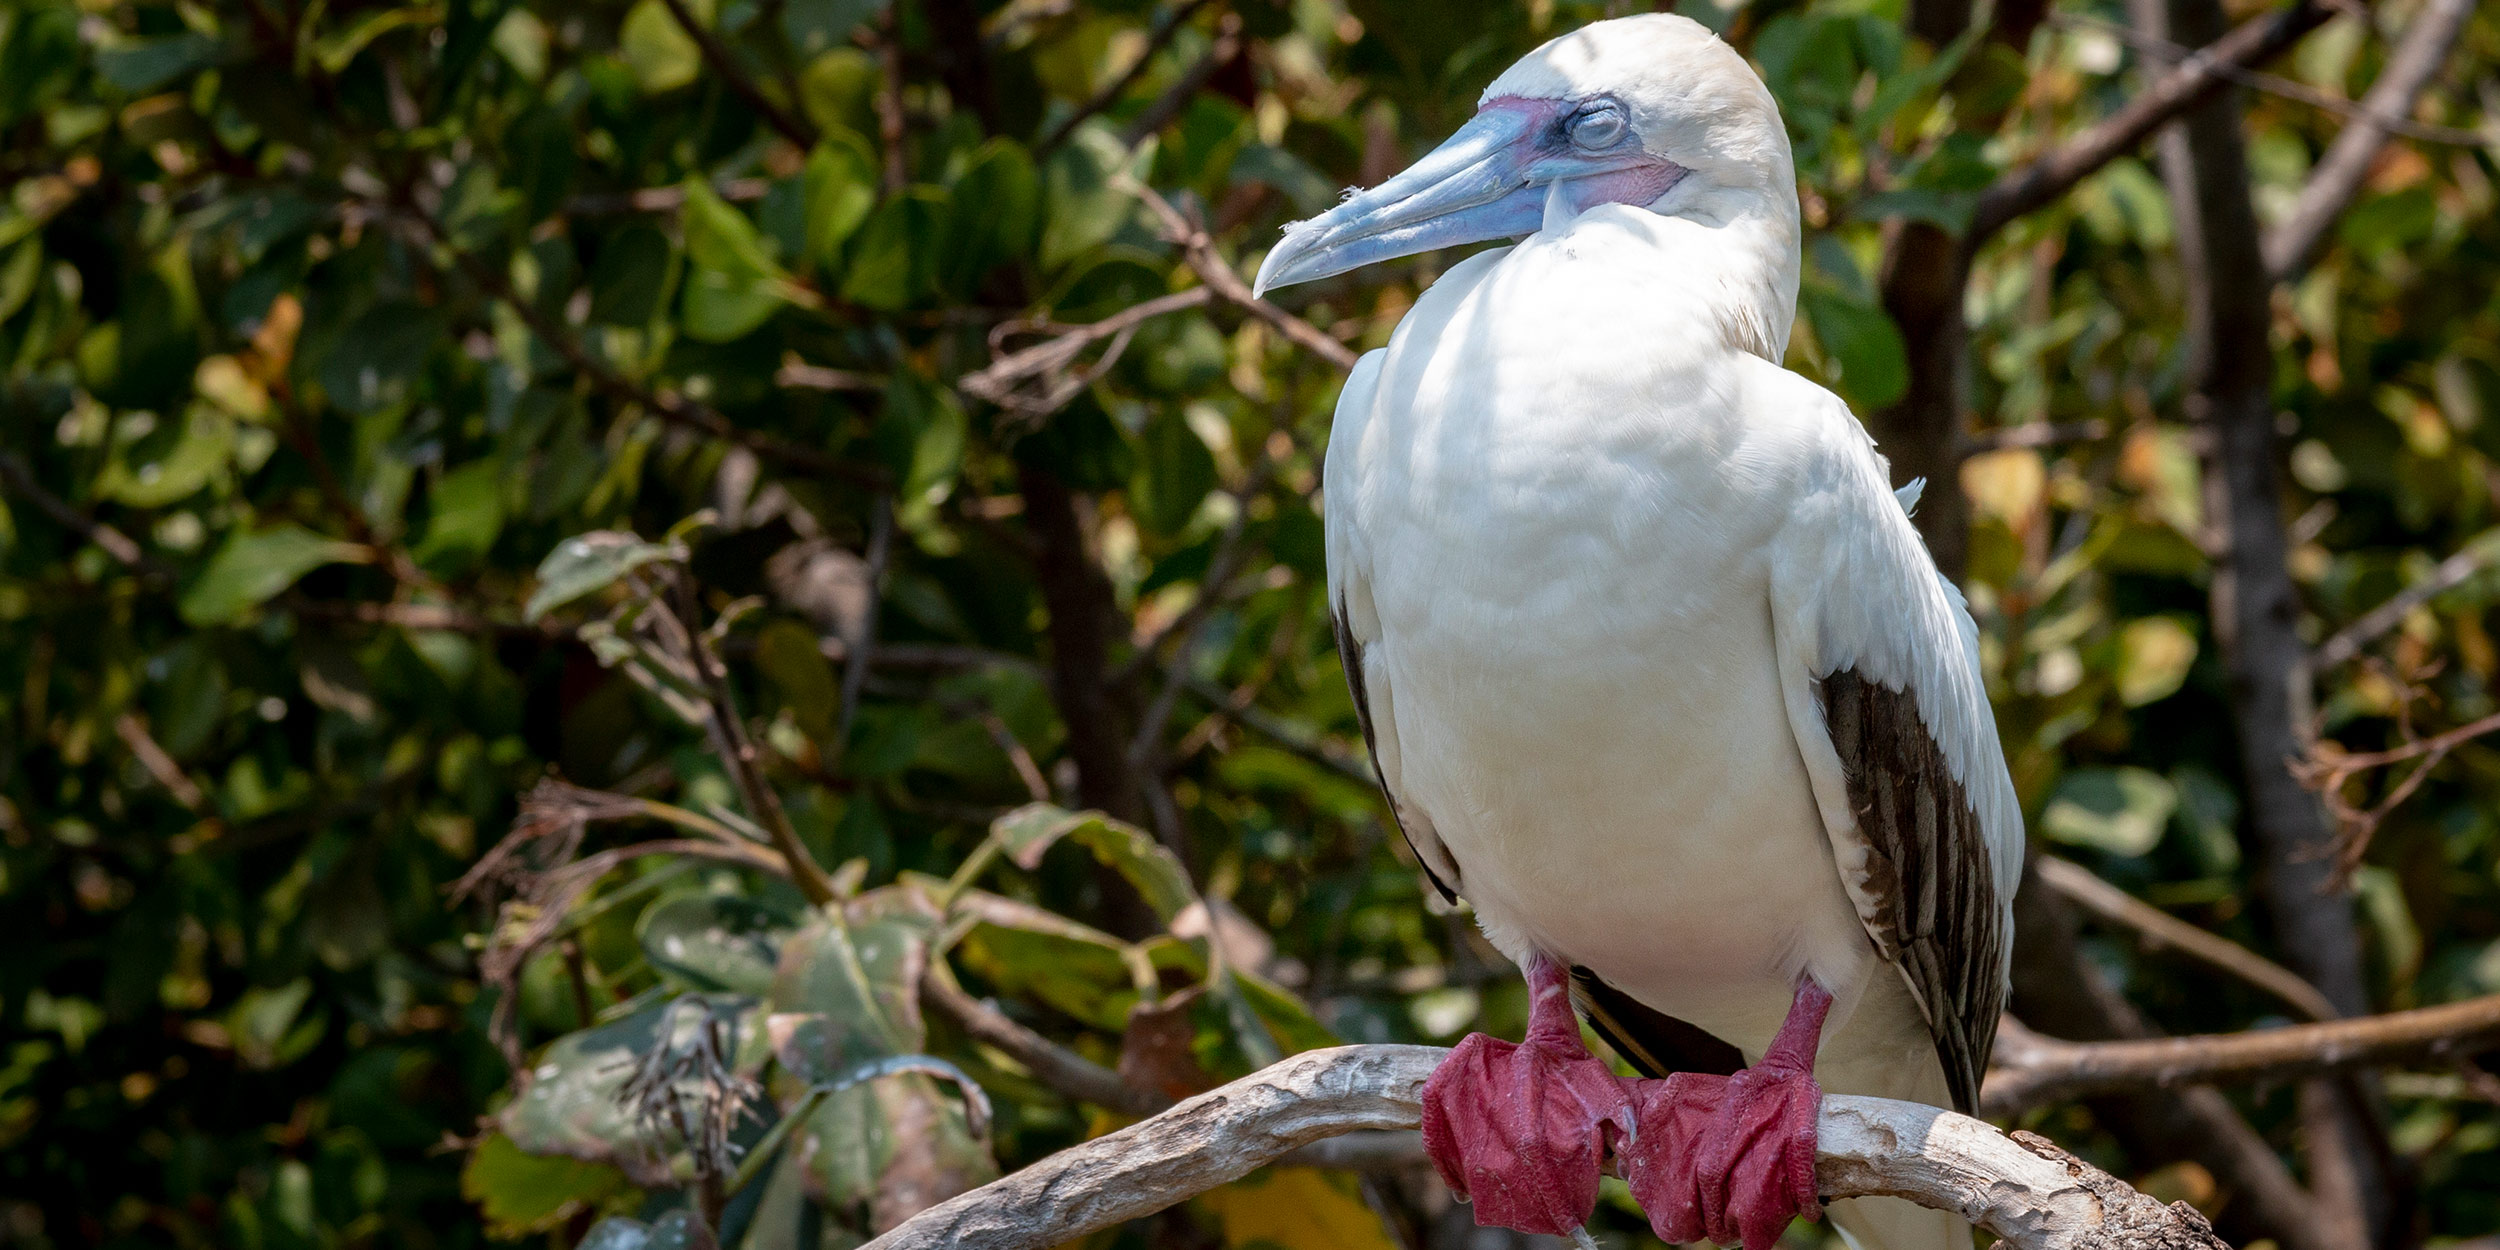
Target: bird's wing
[(1357, 622), (1880, 672)]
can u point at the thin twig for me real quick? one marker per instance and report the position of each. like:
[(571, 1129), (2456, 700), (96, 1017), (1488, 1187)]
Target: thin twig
[(1052, 1064), (716, 54), (737, 751), (667, 405), (160, 765), (1283, 733), (863, 648), (18, 478), (2365, 113), (1156, 41), (1176, 97), (2035, 435), (2040, 1070), (2187, 84), (1198, 251), (2328, 767), (1004, 381), (2160, 928), (2347, 642), (2293, 245)]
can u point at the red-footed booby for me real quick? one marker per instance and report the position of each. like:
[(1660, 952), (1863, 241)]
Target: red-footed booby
[(1654, 669)]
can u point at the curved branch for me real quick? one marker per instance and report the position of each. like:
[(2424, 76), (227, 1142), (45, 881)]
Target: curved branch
[(2160, 928), (2182, 88), (2021, 1188), (2291, 246), (2037, 1071)]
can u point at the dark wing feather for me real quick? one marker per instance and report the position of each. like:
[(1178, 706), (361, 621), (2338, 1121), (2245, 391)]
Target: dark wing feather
[(1649, 1040), (1350, 658), (1928, 866)]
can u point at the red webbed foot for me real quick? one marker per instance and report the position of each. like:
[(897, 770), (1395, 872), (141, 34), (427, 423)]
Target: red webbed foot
[(1731, 1158), (1521, 1129)]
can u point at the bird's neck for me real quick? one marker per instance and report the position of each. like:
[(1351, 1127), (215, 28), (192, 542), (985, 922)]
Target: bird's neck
[(1742, 243)]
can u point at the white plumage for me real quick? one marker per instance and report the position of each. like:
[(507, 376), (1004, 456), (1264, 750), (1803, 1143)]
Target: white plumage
[(1595, 551)]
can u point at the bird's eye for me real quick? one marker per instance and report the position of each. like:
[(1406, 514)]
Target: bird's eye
[(1598, 127)]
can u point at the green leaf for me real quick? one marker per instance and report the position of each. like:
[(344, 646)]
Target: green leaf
[(521, 1193), (1085, 205), (1028, 831), (1863, 346), (1175, 471), (840, 181), (572, 1106), (838, 90), (141, 65), (714, 942), (788, 654), (2154, 655), (374, 359), (658, 51), (539, 148), (174, 465), (892, 255), (337, 51), (722, 306), (468, 514), (718, 236), (586, 563), (2118, 810), (736, 285), (848, 993), (993, 209), (629, 282), (253, 567)]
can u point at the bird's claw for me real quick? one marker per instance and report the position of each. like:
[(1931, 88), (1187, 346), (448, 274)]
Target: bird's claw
[(1521, 1129), (1725, 1158)]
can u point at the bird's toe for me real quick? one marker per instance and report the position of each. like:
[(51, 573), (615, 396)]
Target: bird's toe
[(1727, 1159), (1520, 1130)]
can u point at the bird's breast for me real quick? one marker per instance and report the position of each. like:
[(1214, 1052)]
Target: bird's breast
[(1564, 552)]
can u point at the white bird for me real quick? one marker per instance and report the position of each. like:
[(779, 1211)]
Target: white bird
[(1654, 668)]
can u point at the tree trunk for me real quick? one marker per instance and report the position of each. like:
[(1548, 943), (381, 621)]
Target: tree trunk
[(2256, 610)]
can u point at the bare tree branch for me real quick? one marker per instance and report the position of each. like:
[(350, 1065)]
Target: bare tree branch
[(2060, 991), (2186, 85), (1176, 97), (1198, 249), (2021, 1188), (1050, 1063), (2035, 1070), (1156, 42), (1010, 381), (2347, 642), (2160, 928), (21, 481), (2294, 245)]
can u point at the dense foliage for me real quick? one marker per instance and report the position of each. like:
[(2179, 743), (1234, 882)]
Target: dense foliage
[(424, 422)]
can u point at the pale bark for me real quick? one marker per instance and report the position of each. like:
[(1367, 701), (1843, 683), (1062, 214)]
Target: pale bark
[(2294, 245), (2020, 1188)]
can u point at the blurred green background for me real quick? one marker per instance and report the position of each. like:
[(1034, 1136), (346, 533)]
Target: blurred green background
[(325, 323)]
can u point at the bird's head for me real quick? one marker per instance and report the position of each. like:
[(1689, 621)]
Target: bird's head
[(1652, 111)]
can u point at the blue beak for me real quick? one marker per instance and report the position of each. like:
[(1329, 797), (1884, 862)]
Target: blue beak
[(1485, 182)]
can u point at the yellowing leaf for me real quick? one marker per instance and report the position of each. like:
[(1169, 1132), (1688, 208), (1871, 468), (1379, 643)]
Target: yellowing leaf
[(2154, 655), (1296, 1209), (2009, 484)]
